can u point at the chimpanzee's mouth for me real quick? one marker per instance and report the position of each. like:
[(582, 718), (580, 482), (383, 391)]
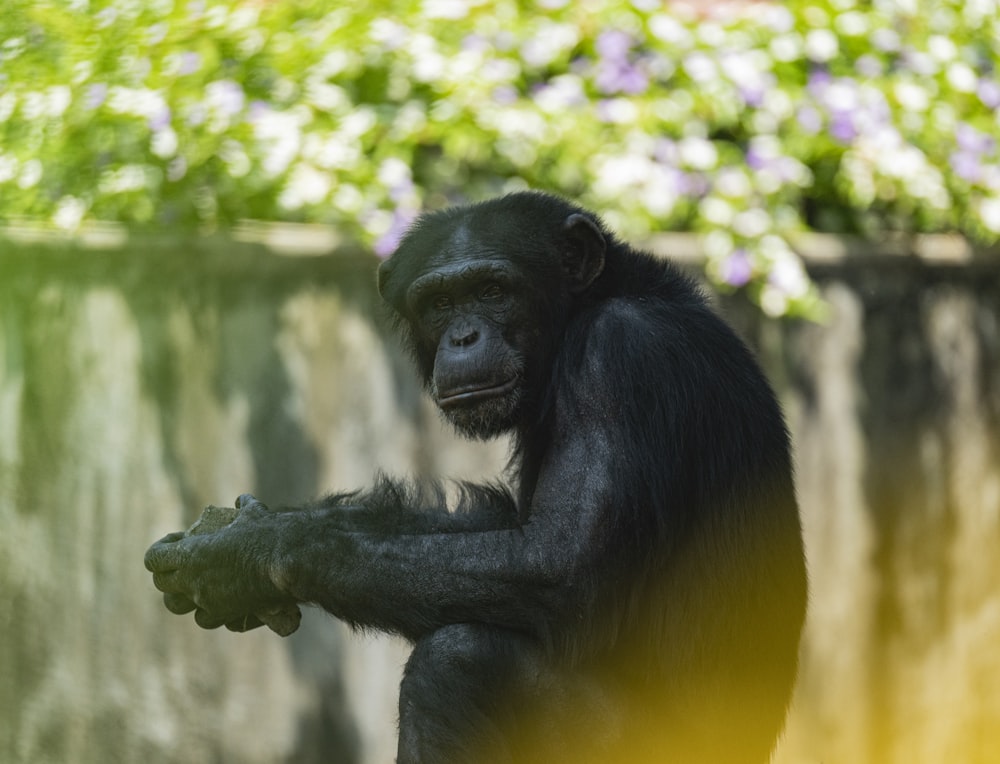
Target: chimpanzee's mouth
[(470, 394)]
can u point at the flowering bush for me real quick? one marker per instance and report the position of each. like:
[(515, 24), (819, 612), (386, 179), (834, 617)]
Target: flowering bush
[(825, 115)]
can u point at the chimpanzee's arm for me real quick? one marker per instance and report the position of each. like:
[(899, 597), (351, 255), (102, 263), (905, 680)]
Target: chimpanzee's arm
[(477, 566), (392, 507)]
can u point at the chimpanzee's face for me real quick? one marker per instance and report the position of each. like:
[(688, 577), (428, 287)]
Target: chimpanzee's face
[(482, 299)]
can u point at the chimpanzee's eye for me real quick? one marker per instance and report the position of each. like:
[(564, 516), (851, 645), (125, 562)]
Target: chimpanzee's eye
[(441, 302), (491, 292)]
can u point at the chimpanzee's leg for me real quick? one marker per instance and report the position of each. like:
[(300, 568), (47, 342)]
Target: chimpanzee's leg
[(477, 693)]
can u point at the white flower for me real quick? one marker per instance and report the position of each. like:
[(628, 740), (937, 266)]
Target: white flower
[(31, 174), (235, 158), (428, 63), (732, 182), (788, 275), (962, 78), (8, 102), (669, 30), (718, 244), (394, 172), (69, 212), (325, 96), (659, 193), (699, 67), (886, 40), (358, 122), (717, 211), (777, 18), (911, 96), (306, 185), (773, 301), (989, 213), (616, 174), (561, 93), (778, 103), (618, 111), (331, 151), (752, 223), (8, 167), (348, 199), (942, 48), (33, 106), (129, 177), (711, 34), (821, 45), (550, 41), (137, 102), (852, 23), (176, 169), (452, 10), (786, 47), (59, 97), (164, 143), (698, 153), (280, 134), (388, 33)]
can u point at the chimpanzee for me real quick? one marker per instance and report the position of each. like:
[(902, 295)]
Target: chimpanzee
[(636, 595)]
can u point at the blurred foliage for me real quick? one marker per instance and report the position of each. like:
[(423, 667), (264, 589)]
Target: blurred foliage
[(826, 115)]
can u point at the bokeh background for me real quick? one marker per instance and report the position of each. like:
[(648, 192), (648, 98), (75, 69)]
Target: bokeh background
[(194, 197)]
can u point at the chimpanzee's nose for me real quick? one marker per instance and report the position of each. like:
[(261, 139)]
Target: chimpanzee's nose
[(464, 338)]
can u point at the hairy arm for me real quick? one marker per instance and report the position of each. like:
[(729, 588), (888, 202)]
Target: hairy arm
[(383, 559)]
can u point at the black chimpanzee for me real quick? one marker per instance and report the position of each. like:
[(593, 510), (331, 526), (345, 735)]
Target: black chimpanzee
[(637, 596)]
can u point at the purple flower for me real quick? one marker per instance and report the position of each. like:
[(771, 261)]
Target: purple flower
[(476, 43), (989, 93), (190, 63), (505, 95), (973, 146), (810, 119), (616, 73), (620, 78), (842, 128), (819, 80), (752, 95), (389, 241), (868, 66), (257, 110), (966, 165), (973, 141), (665, 152), (227, 96), (693, 184), (737, 269), (614, 45), (96, 94), (160, 120)]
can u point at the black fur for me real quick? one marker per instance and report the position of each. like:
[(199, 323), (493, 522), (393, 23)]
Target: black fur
[(638, 593)]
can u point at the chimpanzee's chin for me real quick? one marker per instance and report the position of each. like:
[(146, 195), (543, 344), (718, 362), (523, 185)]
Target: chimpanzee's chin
[(486, 419)]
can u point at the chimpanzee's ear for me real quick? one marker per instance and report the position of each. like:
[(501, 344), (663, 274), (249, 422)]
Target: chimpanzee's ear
[(583, 259), (384, 272)]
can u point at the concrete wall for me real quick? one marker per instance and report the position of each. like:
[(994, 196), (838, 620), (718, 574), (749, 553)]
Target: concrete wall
[(140, 382)]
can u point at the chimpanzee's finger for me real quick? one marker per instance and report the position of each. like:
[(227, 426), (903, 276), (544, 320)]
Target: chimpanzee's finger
[(164, 554), (245, 623), (178, 603), (245, 500), (207, 620)]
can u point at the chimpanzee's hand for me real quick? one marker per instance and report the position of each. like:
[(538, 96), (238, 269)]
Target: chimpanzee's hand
[(223, 568)]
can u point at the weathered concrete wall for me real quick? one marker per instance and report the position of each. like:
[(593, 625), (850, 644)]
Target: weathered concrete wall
[(136, 387), (895, 408)]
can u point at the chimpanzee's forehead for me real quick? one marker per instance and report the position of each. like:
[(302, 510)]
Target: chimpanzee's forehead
[(463, 243)]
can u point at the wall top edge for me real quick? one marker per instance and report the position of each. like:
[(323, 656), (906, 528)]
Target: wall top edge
[(310, 240)]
